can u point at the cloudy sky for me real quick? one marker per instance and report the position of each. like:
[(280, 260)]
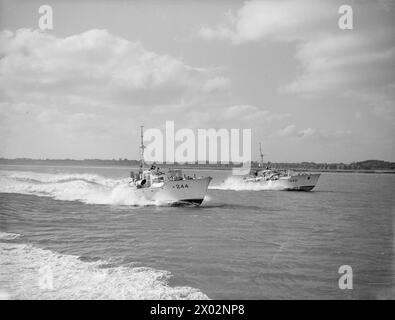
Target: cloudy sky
[(308, 90)]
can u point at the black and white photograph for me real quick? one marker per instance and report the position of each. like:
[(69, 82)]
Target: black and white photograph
[(221, 150)]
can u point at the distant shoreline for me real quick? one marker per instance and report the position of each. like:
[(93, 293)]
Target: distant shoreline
[(133, 164)]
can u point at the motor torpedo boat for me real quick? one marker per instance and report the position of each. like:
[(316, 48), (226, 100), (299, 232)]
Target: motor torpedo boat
[(281, 179), (171, 187)]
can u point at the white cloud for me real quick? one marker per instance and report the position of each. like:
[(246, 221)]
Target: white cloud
[(381, 103), (306, 133), (340, 64), (77, 90), (331, 60), (235, 116), (94, 65), (384, 111), (287, 131), (243, 111), (323, 135), (287, 20), (216, 84), (312, 134), (252, 114)]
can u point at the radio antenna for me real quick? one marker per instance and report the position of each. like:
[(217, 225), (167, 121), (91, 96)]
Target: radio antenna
[(260, 151), (142, 147)]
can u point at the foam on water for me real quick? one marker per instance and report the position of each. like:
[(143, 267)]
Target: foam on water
[(237, 184), (87, 188), (8, 236), (27, 272)]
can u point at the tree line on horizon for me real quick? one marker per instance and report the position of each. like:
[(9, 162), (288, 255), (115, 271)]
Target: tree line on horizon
[(359, 165)]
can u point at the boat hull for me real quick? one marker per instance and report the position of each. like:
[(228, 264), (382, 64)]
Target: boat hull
[(300, 182), (177, 192), (305, 182)]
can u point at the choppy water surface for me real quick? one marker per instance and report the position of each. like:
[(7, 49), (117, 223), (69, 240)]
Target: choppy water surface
[(84, 228)]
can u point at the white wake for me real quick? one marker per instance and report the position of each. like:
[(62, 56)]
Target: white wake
[(28, 272), (238, 184), (87, 188)]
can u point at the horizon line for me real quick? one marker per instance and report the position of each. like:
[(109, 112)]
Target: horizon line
[(190, 163)]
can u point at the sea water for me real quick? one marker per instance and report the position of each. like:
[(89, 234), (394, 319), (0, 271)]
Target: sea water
[(79, 233)]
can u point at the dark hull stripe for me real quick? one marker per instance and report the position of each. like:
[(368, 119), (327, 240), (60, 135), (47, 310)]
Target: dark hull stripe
[(303, 188), (188, 201)]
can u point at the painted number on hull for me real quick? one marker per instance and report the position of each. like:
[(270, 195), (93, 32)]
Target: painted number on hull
[(293, 180), (180, 186)]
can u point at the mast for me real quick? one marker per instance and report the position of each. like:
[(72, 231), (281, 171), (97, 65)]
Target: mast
[(142, 147), (260, 151)]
